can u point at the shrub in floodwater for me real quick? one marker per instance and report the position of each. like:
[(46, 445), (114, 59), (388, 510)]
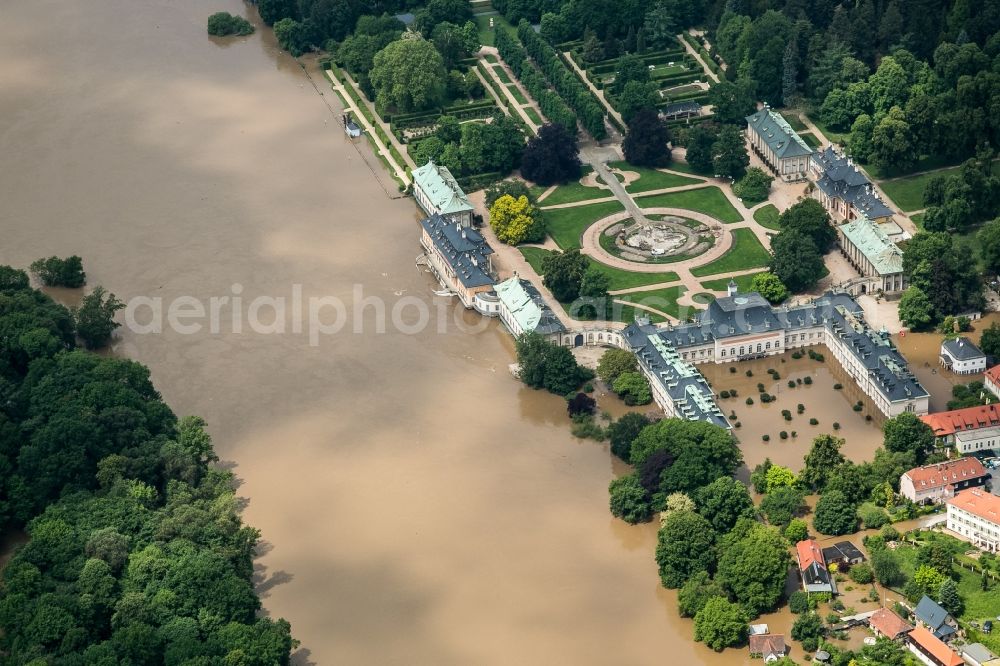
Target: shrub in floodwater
[(749, 401), (798, 380), (868, 417), (766, 438), (791, 384), (724, 395), (776, 376), (588, 388), (836, 426), (732, 369), (783, 435), (749, 373), (808, 380), (737, 425), (813, 422), (794, 434), (857, 407), (796, 355), (837, 387), (760, 388), (800, 408), (732, 393)]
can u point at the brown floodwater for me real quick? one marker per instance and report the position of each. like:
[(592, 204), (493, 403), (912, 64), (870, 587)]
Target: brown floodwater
[(922, 351), (819, 399), (417, 504)]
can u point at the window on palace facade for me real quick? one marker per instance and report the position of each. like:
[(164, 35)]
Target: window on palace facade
[(758, 346), (723, 352), (767, 346), (742, 350)]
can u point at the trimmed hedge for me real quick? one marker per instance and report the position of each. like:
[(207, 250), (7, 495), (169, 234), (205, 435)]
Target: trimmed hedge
[(549, 102), (570, 88)]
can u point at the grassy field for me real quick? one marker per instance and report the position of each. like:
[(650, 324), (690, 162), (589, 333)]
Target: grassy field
[(566, 225), (652, 179), (486, 34), (709, 200), (742, 283), (664, 300), (618, 279), (810, 139), (831, 135), (535, 118), (792, 118), (767, 216), (502, 74), (518, 95), (908, 192), (918, 220), (569, 193), (683, 167), (746, 252)]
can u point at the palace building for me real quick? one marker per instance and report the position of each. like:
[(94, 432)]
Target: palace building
[(438, 193), (744, 326), (870, 250), (459, 257), (844, 191), (778, 146), (523, 310)]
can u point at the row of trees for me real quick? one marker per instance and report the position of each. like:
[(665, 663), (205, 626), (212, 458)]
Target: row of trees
[(137, 553), (577, 96), (473, 148), (959, 201), (717, 149), (551, 104)]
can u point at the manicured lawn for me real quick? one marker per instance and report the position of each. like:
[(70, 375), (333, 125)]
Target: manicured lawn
[(918, 220), (502, 73), (535, 118), (617, 278), (831, 135), (746, 252), (486, 33), (566, 225), (571, 193), (793, 120), (708, 200), (652, 179), (767, 216), (664, 300), (683, 167), (518, 95), (742, 283), (627, 314), (908, 192), (810, 139), (703, 298)]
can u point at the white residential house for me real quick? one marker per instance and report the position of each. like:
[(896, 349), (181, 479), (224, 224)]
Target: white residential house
[(962, 357), (936, 483), (975, 515)]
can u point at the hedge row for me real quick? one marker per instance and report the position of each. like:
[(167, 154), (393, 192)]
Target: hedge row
[(698, 46), (550, 103), (569, 87), (700, 96), (678, 79), (479, 181), (658, 58)]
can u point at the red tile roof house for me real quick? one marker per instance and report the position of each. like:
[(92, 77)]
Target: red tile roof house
[(887, 624), (963, 423), (812, 568), (940, 481), (975, 515), (991, 380), (769, 647), (930, 650)]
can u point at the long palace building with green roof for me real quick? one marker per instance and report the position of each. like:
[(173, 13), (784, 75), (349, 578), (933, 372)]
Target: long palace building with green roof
[(778, 146)]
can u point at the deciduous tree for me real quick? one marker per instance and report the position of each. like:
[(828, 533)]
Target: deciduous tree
[(720, 624), (551, 157), (408, 75)]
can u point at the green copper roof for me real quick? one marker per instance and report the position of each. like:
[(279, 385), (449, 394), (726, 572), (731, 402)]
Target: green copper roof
[(441, 188), (527, 307), (884, 255), (778, 134)]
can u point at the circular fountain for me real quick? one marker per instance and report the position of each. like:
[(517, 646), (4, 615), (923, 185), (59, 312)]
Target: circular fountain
[(659, 239)]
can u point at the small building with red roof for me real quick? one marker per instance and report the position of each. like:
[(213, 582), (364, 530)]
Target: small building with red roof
[(888, 624), (975, 515), (991, 380), (812, 568), (769, 647), (930, 650), (940, 481)]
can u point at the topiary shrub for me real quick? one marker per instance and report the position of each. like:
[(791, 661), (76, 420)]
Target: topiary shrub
[(724, 395), (749, 401), (791, 384), (766, 438), (836, 425), (749, 373), (813, 422), (808, 380), (837, 387), (783, 435)]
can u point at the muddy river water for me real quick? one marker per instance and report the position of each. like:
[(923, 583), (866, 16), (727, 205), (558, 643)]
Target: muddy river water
[(417, 504)]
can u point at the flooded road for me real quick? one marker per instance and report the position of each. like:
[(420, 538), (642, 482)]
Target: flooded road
[(417, 504)]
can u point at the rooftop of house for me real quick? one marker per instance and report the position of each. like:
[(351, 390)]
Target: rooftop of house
[(933, 646), (958, 420), (961, 349), (766, 644), (842, 550), (687, 388), (993, 375), (874, 244), (441, 188), (812, 566), (778, 134), (929, 612), (527, 307), (979, 503), (464, 248), (939, 475), (978, 652), (750, 314), (841, 179), (886, 622)]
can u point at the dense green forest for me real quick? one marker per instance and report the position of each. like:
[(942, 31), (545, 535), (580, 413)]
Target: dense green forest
[(136, 551)]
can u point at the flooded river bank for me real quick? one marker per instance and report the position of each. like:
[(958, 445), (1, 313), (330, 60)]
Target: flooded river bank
[(417, 504)]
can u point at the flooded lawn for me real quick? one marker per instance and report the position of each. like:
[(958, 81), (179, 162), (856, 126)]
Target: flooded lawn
[(820, 399)]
